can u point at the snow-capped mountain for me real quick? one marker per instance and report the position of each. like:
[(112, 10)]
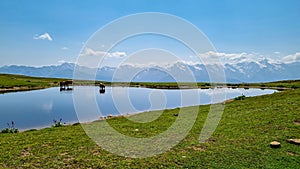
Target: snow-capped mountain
[(238, 69), (61, 71)]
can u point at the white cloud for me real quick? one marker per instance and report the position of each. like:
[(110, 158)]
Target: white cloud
[(226, 55), (64, 48), (235, 58), (208, 58), (118, 54), (238, 58), (219, 57), (292, 58), (91, 52), (277, 53), (45, 36), (47, 106), (65, 61)]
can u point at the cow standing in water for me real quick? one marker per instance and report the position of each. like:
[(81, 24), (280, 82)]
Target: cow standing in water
[(102, 88), (65, 85)]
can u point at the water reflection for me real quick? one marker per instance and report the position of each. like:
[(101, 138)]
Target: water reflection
[(38, 108), (101, 91)]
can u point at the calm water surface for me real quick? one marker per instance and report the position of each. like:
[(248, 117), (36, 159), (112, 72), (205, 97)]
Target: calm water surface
[(38, 108)]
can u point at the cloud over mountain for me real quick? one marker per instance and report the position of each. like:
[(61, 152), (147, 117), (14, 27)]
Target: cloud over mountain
[(292, 58), (238, 67), (45, 36), (91, 52)]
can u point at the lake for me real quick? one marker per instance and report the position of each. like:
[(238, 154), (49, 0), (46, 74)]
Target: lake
[(38, 108)]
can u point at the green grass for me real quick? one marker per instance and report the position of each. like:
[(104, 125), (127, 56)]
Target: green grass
[(295, 84), (241, 140), (9, 81), (279, 84)]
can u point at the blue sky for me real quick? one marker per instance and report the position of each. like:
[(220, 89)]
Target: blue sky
[(34, 32)]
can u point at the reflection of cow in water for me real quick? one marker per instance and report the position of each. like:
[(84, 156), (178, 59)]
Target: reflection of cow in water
[(102, 88), (65, 85)]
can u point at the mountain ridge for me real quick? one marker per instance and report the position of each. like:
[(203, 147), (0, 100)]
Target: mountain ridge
[(263, 70)]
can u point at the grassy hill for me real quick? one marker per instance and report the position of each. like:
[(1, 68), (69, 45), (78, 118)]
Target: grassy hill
[(10, 83), (241, 140)]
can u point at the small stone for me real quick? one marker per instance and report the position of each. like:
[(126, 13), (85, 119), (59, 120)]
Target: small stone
[(294, 141), (297, 122), (275, 144)]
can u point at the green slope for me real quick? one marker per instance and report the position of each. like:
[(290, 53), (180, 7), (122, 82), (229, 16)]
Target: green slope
[(240, 141), (9, 81)]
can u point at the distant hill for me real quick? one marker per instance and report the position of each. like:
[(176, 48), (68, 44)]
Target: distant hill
[(238, 71)]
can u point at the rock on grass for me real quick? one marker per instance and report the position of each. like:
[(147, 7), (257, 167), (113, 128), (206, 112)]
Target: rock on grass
[(275, 144)]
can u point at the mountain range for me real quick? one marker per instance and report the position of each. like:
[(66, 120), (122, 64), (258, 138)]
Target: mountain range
[(236, 71)]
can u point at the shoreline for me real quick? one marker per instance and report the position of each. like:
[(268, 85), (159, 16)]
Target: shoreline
[(27, 88), (243, 121), (16, 83), (21, 89), (110, 116)]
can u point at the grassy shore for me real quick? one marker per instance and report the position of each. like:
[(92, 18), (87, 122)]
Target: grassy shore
[(241, 140), (287, 84), (12, 83)]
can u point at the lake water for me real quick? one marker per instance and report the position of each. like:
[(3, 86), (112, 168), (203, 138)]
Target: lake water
[(38, 108)]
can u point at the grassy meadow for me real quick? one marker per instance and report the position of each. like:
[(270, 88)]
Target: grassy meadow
[(241, 139), (10, 83)]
